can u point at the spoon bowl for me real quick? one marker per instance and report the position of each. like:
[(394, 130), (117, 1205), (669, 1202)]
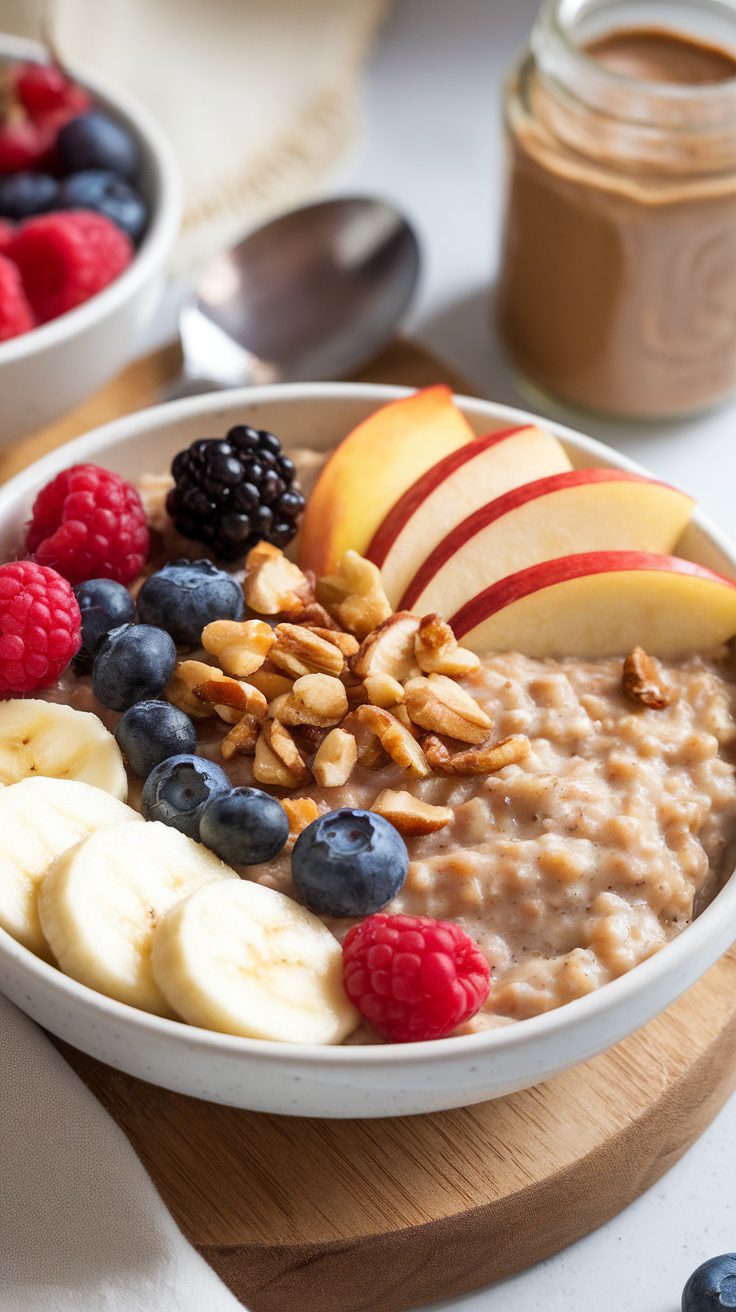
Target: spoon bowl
[(315, 293)]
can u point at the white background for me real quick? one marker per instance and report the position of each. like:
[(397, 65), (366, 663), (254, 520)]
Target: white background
[(431, 141)]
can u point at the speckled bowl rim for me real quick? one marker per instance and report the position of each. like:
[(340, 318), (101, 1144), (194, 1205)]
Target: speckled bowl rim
[(672, 961)]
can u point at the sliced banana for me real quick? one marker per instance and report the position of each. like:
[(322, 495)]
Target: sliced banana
[(244, 959), (39, 819), (48, 738), (100, 903)]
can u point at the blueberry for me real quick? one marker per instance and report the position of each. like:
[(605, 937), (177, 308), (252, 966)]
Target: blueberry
[(177, 790), (24, 194), (186, 595), (95, 141), (349, 863), (104, 605), (151, 731), (712, 1287), (134, 662), (244, 826), (105, 193)]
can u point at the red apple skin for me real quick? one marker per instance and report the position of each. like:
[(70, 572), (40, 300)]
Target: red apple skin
[(550, 572), (388, 531), (500, 506)]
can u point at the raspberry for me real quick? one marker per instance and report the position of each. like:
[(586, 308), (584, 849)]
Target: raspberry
[(16, 315), (412, 977), (42, 88), (7, 233), (66, 258), (40, 627), (24, 144), (89, 524)]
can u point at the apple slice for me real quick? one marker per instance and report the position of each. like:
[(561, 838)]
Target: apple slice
[(580, 510), (450, 490), (602, 603), (372, 468)]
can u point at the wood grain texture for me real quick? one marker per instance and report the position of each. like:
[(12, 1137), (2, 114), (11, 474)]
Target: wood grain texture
[(377, 1216)]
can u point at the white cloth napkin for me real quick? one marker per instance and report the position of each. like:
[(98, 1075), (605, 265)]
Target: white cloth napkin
[(82, 1228)]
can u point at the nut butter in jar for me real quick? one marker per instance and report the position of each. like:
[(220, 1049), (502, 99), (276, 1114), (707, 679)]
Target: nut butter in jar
[(617, 289)]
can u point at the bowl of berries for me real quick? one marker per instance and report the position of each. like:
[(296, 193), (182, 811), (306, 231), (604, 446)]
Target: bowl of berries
[(362, 752), (89, 210)]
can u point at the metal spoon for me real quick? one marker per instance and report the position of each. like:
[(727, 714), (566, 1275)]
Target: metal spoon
[(315, 293)]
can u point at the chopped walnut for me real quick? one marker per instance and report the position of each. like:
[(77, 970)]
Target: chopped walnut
[(383, 690), (643, 681), (231, 698), (409, 814), (271, 683), (347, 644), (273, 585), (314, 616), (335, 759), (438, 704), (187, 676), (241, 647), (394, 738), (301, 812), (388, 649), (485, 759), (354, 594), (242, 738), (437, 651), (315, 699), (278, 760), (299, 651)]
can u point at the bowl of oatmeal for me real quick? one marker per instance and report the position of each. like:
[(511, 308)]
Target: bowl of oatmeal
[(591, 865)]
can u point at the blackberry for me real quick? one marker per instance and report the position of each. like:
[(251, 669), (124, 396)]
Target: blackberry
[(232, 492)]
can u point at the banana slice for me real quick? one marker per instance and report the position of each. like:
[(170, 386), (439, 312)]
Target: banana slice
[(51, 739), (39, 819), (244, 959), (100, 903)]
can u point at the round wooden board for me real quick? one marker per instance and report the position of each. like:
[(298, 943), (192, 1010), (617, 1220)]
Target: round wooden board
[(376, 1216)]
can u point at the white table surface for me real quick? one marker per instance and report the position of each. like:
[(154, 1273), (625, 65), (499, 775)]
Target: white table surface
[(430, 140)]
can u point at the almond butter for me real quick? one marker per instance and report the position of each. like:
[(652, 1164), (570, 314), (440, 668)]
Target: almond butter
[(336, 759), (437, 650), (409, 814), (240, 647), (440, 705)]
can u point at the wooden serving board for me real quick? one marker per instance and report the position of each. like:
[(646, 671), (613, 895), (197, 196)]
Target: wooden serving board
[(377, 1216)]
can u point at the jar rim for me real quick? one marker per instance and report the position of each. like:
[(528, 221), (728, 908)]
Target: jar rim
[(559, 55)]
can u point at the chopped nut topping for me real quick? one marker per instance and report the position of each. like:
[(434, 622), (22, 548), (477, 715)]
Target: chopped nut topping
[(440, 705), (242, 738), (437, 650), (273, 585), (300, 651), (187, 676), (278, 759), (313, 616), (345, 641), (389, 649), (315, 699), (271, 683), (409, 814), (301, 812), (394, 738), (231, 698), (643, 681), (335, 759), (241, 647), (354, 594), (485, 759), (383, 690)]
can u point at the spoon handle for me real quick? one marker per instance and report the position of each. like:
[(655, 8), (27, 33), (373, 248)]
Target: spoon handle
[(184, 385)]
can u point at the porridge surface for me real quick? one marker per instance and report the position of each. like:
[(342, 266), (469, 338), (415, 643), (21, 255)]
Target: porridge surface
[(576, 864)]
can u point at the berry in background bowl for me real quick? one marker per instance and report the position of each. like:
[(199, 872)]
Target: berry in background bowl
[(89, 209)]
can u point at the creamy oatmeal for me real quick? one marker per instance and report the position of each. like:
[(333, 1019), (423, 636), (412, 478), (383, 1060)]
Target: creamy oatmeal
[(579, 862)]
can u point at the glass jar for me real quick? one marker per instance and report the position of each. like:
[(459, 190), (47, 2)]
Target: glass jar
[(617, 289)]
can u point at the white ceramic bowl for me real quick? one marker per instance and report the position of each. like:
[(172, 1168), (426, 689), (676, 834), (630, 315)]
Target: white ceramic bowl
[(45, 372), (349, 1081)]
